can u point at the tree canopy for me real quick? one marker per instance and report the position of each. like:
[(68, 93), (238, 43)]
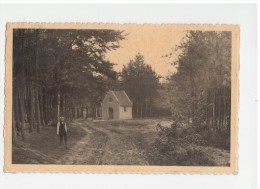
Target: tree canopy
[(57, 71), (200, 89), (140, 82)]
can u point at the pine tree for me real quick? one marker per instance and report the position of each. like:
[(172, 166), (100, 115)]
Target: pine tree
[(57, 71), (200, 89), (140, 82)]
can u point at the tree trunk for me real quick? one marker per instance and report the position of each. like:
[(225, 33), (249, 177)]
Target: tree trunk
[(37, 103), (141, 111), (20, 93), (14, 137), (21, 124), (16, 109), (63, 105), (213, 113), (42, 109), (150, 109), (58, 108), (37, 111), (45, 108), (146, 109), (137, 110), (31, 117), (76, 109)]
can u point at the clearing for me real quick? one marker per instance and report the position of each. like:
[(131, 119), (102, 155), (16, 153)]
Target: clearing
[(117, 142)]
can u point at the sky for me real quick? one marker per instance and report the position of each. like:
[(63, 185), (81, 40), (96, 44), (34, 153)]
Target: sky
[(152, 41)]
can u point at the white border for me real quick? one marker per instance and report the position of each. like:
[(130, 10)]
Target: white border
[(242, 14), (258, 96)]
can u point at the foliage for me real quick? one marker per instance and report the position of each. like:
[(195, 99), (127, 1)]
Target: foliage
[(162, 104), (200, 89), (140, 83), (59, 72), (72, 56)]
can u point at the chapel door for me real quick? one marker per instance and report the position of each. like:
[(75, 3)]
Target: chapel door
[(110, 113)]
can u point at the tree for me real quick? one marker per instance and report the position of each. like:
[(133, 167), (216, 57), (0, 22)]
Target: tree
[(162, 105), (140, 82), (200, 89), (79, 55), (56, 72)]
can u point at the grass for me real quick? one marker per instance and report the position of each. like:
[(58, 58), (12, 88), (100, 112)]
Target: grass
[(43, 147)]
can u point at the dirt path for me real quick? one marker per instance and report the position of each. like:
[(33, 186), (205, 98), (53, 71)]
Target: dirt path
[(75, 154), (89, 150), (128, 142), (103, 145), (119, 149), (113, 143)]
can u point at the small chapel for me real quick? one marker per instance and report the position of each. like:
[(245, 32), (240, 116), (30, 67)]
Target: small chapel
[(116, 105)]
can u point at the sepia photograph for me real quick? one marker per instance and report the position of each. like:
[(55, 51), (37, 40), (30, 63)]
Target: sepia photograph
[(107, 97)]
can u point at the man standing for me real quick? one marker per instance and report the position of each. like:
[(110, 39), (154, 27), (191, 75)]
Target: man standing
[(62, 130)]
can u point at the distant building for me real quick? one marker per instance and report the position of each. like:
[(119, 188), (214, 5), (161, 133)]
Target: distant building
[(116, 105)]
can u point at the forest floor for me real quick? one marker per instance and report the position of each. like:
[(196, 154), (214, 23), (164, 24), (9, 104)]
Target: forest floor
[(128, 142)]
